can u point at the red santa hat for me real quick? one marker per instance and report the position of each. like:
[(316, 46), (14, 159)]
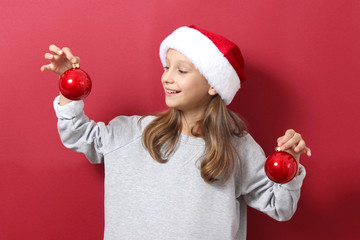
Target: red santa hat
[(217, 59)]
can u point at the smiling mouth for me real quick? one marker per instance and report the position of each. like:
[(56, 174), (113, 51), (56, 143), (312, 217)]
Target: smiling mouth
[(171, 91)]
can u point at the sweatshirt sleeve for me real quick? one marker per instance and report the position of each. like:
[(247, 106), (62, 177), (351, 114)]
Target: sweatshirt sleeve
[(77, 132), (95, 139), (279, 201)]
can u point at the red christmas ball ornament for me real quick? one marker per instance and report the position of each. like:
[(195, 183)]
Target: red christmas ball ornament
[(75, 83), (280, 166)]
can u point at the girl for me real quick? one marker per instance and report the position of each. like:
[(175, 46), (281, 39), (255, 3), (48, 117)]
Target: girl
[(188, 172)]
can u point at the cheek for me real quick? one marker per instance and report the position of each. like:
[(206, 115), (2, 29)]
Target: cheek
[(196, 90), (200, 85)]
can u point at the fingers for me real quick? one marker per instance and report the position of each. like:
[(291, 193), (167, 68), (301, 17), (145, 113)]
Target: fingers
[(291, 140), (70, 56), (288, 135), (55, 49), (308, 151), (60, 59), (300, 146), (295, 143), (49, 56), (45, 68), (48, 67)]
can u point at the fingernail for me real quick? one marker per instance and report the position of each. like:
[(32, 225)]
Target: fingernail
[(59, 52)]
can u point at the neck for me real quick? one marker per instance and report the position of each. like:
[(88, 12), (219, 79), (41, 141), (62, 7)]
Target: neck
[(189, 120)]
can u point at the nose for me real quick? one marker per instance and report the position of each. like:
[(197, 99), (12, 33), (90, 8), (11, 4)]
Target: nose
[(166, 77)]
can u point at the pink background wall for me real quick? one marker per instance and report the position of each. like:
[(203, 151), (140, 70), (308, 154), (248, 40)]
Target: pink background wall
[(303, 67)]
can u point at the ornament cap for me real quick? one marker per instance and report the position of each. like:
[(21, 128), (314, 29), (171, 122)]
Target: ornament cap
[(75, 65), (278, 149)]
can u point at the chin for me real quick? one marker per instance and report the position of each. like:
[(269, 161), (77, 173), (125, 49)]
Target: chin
[(173, 106), (170, 104)]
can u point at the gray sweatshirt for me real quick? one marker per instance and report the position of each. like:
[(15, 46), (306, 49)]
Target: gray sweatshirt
[(145, 199)]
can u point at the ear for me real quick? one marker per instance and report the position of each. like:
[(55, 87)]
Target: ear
[(212, 91)]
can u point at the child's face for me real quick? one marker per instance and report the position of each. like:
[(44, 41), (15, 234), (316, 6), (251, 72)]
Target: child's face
[(185, 87)]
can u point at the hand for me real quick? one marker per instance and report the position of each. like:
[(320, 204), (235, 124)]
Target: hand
[(60, 60), (293, 143)]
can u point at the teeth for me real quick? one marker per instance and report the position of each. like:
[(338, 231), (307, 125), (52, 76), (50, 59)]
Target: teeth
[(170, 91)]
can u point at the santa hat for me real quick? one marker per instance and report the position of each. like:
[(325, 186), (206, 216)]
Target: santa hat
[(217, 59)]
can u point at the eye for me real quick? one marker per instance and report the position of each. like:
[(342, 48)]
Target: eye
[(182, 71), (166, 68)]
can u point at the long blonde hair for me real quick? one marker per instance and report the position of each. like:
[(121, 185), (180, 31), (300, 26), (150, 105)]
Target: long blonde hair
[(218, 127)]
